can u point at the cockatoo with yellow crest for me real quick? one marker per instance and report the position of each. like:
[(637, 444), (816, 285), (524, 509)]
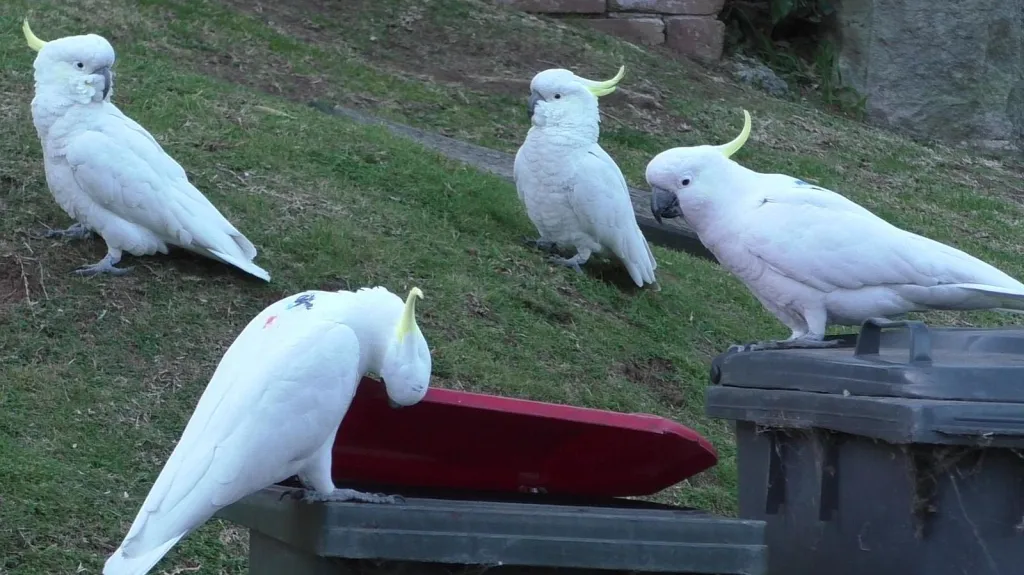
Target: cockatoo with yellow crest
[(273, 407), (109, 174), (812, 257), (573, 191)]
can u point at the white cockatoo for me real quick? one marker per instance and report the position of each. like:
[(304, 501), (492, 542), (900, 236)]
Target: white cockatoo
[(273, 407), (109, 174), (573, 191), (812, 257)]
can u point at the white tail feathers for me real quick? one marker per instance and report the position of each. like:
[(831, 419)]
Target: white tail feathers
[(1000, 298), (205, 231), (962, 297), (636, 255), (120, 564), (243, 243), (650, 254), (241, 264)]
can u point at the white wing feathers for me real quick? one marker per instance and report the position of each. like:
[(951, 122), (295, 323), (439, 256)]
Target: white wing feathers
[(601, 201), (515, 173), (827, 242), (122, 168), (271, 404)]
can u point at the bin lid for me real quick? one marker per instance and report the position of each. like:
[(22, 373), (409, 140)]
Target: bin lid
[(901, 359), (472, 441)]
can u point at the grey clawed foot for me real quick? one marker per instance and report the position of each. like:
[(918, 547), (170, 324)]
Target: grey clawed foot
[(353, 495), (567, 262), (104, 266), (814, 343), (340, 495), (784, 344), (755, 346), (540, 244), (76, 232)]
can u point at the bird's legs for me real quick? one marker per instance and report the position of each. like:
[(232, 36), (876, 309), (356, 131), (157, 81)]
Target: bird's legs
[(808, 333), (77, 231), (540, 244), (319, 487), (805, 342), (338, 495), (574, 262), (104, 266)]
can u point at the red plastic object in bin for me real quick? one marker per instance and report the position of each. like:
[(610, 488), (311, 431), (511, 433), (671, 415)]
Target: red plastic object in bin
[(460, 440)]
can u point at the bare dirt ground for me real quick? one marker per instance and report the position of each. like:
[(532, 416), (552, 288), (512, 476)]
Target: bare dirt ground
[(403, 39)]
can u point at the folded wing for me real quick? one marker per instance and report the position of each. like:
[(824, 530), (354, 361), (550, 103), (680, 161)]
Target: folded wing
[(122, 169), (828, 242), (601, 201)]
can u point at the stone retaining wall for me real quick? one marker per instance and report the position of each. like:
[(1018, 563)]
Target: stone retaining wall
[(690, 27), (946, 69)]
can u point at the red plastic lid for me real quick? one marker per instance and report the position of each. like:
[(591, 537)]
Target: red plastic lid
[(471, 441)]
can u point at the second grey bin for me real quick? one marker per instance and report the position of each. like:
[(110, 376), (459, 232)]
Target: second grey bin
[(901, 456)]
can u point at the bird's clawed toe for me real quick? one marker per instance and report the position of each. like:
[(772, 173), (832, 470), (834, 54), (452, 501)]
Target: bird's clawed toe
[(77, 231), (342, 495), (104, 266), (799, 343), (540, 244), (567, 262)]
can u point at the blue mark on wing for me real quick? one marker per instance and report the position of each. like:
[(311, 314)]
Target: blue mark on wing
[(811, 186), (305, 300)]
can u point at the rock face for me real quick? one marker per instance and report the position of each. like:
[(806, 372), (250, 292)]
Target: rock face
[(945, 69), (750, 71), (697, 36), (691, 7), (689, 27), (643, 31), (557, 6)]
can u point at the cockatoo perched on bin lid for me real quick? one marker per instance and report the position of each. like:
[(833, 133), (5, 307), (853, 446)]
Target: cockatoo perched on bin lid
[(273, 407), (573, 191), (811, 256), (108, 173)]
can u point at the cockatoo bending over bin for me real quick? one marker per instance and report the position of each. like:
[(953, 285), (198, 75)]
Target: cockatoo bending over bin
[(273, 407)]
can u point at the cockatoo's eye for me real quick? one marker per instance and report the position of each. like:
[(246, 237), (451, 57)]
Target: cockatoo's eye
[(79, 65), (558, 96), (685, 182)]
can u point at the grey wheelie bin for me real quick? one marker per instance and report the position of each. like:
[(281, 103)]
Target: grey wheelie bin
[(430, 535), (899, 455)]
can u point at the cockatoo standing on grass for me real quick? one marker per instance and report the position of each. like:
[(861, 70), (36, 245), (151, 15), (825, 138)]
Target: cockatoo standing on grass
[(811, 256), (108, 173), (573, 191), (273, 407)]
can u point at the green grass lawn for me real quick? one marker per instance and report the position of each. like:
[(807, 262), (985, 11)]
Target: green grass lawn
[(98, 376)]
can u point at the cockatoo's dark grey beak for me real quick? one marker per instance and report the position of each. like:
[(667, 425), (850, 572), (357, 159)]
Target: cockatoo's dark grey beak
[(107, 79), (532, 103), (393, 405), (664, 204)]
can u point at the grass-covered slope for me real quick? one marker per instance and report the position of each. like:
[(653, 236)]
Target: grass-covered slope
[(98, 376)]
